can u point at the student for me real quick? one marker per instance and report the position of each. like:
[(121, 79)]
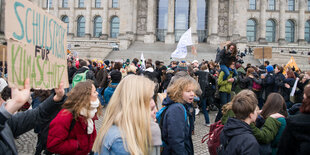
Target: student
[(176, 132), (126, 127), (80, 109), (296, 136), (236, 137), (225, 89)]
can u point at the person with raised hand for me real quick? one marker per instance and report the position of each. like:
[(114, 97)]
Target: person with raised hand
[(12, 125)]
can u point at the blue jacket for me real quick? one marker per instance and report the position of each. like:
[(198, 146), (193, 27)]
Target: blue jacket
[(176, 131), (113, 143), (240, 138), (108, 92)]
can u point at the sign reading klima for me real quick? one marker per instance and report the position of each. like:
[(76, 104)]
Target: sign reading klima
[(37, 46)]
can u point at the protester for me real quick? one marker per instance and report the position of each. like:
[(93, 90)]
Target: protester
[(73, 129), (123, 131), (225, 89), (13, 125), (176, 132), (296, 137), (116, 77), (237, 137)]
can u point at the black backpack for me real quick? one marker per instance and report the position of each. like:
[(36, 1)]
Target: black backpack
[(42, 140)]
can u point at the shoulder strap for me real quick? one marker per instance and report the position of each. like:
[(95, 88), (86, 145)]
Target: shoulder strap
[(72, 124)]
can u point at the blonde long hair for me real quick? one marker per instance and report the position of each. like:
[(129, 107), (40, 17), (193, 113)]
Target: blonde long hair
[(129, 110)]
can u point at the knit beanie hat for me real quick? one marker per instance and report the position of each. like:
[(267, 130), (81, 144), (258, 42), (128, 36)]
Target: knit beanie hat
[(107, 62), (182, 66), (116, 76), (269, 68)]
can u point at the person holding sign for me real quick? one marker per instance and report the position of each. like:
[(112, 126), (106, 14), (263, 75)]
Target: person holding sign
[(15, 125)]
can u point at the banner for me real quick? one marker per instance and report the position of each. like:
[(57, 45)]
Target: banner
[(37, 46), (185, 40), (291, 63)]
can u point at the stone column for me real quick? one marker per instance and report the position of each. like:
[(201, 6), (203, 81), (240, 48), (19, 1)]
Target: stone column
[(282, 23), (2, 14), (105, 20), (170, 38), (125, 23), (239, 24), (193, 20), (88, 19), (151, 22), (55, 6), (72, 20), (301, 23), (213, 21), (262, 22)]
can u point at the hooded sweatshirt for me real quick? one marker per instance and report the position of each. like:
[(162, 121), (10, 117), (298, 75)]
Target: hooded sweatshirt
[(240, 138)]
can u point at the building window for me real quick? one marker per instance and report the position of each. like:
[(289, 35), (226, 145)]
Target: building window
[(271, 5), (202, 23), (114, 3), (81, 27), (291, 5), (97, 3), (97, 26), (81, 3), (289, 31), (308, 5), (252, 4), (65, 19), (270, 31), (65, 3), (181, 19), (49, 3), (307, 31), (162, 19), (251, 30), (114, 27)]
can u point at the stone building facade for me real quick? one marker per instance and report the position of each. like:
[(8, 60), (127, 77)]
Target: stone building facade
[(276, 23)]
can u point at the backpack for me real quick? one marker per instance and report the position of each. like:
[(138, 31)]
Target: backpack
[(79, 78), (44, 135), (160, 116), (256, 86), (213, 137)]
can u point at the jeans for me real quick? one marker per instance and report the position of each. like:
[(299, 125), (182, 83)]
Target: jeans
[(225, 69), (204, 110), (100, 97), (225, 98)]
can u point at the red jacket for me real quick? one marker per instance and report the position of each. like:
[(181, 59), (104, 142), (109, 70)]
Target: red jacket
[(77, 142)]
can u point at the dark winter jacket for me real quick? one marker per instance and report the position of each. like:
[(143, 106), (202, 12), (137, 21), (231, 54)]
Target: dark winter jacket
[(175, 130), (287, 91), (268, 84), (205, 81), (12, 126), (89, 75), (226, 57), (240, 138), (71, 72), (102, 78), (279, 84), (167, 80), (296, 136)]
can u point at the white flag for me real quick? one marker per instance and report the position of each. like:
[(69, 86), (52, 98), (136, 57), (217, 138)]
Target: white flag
[(143, 61), (185, 40)]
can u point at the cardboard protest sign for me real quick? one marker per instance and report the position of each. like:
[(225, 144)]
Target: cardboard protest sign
[(260, 53), (37, 46)]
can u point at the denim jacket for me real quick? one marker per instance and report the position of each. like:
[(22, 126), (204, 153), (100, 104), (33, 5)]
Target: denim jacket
[(112, 143)]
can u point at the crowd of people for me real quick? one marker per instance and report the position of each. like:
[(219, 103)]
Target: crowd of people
[(150, 107)]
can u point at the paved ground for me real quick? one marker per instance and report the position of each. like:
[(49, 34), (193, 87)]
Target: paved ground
[(26, 143)]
